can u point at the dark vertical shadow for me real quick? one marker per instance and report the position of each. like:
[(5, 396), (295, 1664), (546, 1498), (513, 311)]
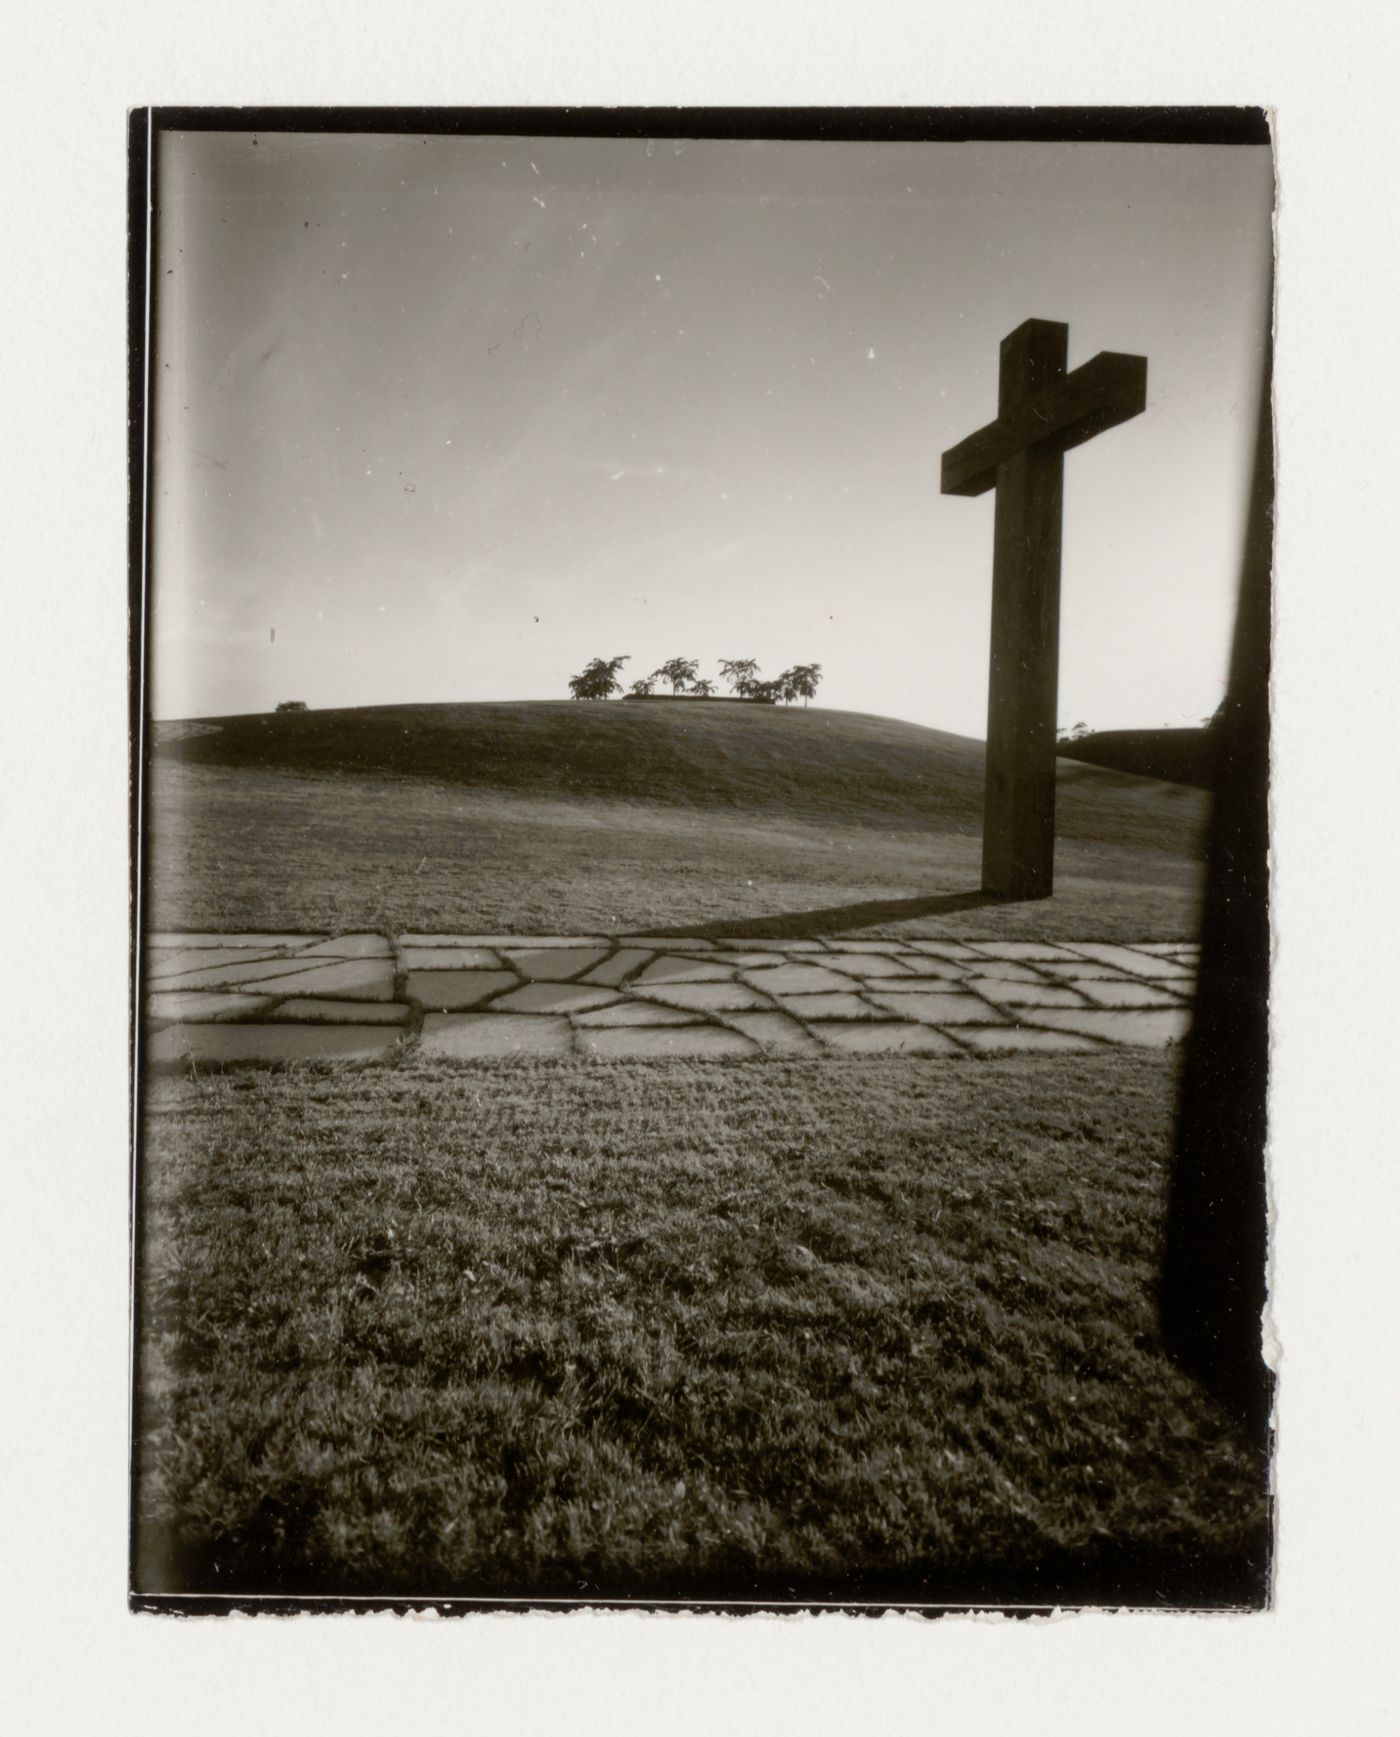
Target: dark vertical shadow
[(837, 919), (1214, 1272)]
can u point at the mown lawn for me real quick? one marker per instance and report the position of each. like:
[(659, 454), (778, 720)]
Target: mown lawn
[(861, 1329), (250, 848)]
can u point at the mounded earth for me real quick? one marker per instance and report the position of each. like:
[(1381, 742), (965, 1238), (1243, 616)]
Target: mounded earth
[(559, 815)]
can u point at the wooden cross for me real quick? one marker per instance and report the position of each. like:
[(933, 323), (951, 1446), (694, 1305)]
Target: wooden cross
[(1041, 413)]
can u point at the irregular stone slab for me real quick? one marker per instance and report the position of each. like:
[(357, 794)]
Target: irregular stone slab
[(416, 940), (947, 1008), (932, 972), (669, 969), (796, 979), (639, 1013), (270, 1043), (204, 1005), (1126, 959), (226, 976), (1124, 993), (348, 947), (868, 965), (448, 959), (490, 1036), (752, 959), (311, 1010), (1008, 971), (498, 941), (171, 938), (893, 1038), (1082, 971), (842, 1006), (704, 997), (667, 943), (544, 941), (775, 1033), (448, 991), (689, 1042), (1168, 949), (1173, 972), (354, 979), (776, 945), (925, 982), (554, 998), (1027, 950), (1006, 994), (163, 965), (946, 949), (612, 971), (1022, 1038), (1147, 1027), (868, 946), (554, 964)]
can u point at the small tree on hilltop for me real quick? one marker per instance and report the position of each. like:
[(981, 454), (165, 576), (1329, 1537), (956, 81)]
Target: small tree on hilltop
[(769, 692), (598, 679), (680, 672), (643, 687), (741, 673), (802, 681), (703, 689)]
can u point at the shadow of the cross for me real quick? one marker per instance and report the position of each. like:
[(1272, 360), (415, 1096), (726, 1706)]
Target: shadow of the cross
[(836, 919)]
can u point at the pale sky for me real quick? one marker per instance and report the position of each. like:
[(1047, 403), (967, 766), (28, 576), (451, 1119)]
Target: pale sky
[(440, 419)]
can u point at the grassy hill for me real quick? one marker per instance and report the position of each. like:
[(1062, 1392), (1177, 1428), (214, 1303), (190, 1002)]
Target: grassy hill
[(846, 767), (610, 816), (1183, 756)]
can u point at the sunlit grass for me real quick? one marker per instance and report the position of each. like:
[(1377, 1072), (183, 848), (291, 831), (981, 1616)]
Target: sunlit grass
[(248, 848)]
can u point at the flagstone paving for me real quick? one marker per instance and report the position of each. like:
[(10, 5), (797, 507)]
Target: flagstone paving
[(270, 997)]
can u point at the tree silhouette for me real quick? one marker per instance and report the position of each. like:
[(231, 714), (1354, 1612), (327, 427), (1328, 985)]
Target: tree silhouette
[(801, 682), (598, 679), (679, 671), (703, 689), (741, 673), (643, 687)]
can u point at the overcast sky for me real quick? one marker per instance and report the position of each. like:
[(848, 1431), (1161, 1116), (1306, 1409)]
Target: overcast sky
[(441, 419)]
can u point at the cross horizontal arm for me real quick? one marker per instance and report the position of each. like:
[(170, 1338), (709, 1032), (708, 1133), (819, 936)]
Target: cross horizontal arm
[(1108, 390)]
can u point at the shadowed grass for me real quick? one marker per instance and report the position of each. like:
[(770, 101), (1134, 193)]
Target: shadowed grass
[(839, 1329)]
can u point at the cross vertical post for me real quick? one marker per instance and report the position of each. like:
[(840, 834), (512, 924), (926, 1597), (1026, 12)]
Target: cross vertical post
[(1018, 822), (1041, 413)]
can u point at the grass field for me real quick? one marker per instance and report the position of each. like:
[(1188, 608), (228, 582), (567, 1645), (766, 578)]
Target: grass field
[(855, 1330), (562, 817), (841, 1329)]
